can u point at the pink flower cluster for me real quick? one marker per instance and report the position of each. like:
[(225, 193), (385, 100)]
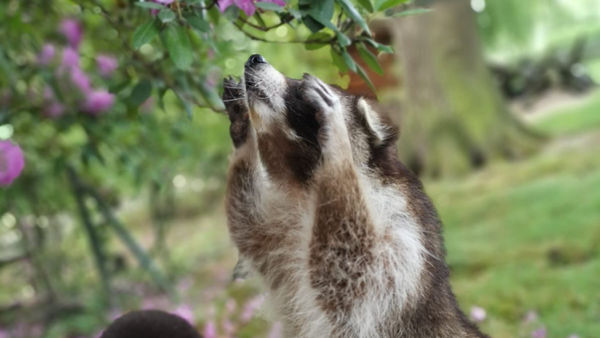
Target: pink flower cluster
[(11, 162), (248, 6), (94, 101)]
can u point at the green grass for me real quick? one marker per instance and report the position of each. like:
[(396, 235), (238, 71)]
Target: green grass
[(525, 235), (583, 117)]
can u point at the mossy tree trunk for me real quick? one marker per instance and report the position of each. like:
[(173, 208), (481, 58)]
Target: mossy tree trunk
[(454, 117)]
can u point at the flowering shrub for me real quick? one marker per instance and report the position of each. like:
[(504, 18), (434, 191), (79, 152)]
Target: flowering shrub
[(104, 98)]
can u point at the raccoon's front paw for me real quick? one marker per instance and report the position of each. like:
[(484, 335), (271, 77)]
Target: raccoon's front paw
[(329, 112), (234, 99)]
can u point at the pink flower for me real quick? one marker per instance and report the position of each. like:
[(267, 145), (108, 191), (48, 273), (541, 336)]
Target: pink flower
[(228, 327), (106, 64), (70, 59), (530, 317), (47, 54), (230, 306), (210, 330), (54, 109), (250, 308), (72, 30), (81, 80), (477, 314), (162, 2), (11, 162), (98, 101), (245, 5), (539, 333), (147, 107), (185, 312)]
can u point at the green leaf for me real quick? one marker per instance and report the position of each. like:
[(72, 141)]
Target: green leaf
[(144, 33), (338, 60), (149, 5), (140, 93), (369, 58), (380, 47), (354, 14), (267, 6), (211, 97), (197, 22), (312, 24), (343, 40), (166, 15), (348, 61), (382, 5), (319, 11), (413, 11), (319, 36), (365, 77), (178, 44), (367, 4)]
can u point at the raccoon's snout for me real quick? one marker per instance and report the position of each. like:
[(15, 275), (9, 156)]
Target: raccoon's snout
[(254, 59)]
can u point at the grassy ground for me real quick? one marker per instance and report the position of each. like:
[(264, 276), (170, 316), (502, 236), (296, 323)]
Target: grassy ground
[(524, 237)]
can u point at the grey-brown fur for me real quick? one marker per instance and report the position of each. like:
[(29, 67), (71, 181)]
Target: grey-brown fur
[(318, 203)]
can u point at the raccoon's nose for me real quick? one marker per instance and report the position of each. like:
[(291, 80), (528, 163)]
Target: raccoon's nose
[(255, 59)]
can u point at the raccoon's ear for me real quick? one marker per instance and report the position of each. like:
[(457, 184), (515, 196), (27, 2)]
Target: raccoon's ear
[(376, 127)]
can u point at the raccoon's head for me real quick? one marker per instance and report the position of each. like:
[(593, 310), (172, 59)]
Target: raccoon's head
[(290, 127)]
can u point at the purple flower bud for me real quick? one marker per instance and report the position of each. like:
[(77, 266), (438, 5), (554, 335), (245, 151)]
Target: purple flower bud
[(70, 59), (162, 2), (72, 30), (11, 162), (185, 312), (106, 64), (210, 330), (98, 101), (81, 80), (477, 314), (245, 5), (47, 54), (54, 109), (539, 333)]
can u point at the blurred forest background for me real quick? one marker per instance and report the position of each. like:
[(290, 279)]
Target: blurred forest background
[(115, 106)]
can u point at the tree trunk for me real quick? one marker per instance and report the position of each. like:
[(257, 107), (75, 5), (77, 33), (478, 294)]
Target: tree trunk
[(454, 117)]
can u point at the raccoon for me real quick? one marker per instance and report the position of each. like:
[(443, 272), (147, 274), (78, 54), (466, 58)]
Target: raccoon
[(342, 234)]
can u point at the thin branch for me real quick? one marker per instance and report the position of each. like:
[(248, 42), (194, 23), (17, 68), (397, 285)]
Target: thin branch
[(94, 240), (267, 28), (258, 38)]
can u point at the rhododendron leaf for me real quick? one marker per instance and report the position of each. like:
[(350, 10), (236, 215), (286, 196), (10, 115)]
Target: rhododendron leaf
[(178, 44), (198, 23), (145, 33), (413, 11), (366, 4), (166, 15), (321, 37), (140, 93), (338, 60), (369, 58), (365, 77), (353, 14), (319, 11), (149, 5), (382, 5), (267, 6), (349, 61), (380, 47), (211, 97)]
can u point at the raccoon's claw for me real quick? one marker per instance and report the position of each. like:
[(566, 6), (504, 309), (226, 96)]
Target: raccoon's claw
[(235, 103)]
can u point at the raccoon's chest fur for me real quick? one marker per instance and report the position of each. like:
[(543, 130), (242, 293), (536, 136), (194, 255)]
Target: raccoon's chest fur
[(390, 280)]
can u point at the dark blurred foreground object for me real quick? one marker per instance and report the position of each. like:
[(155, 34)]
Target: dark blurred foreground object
[(150, 324)]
